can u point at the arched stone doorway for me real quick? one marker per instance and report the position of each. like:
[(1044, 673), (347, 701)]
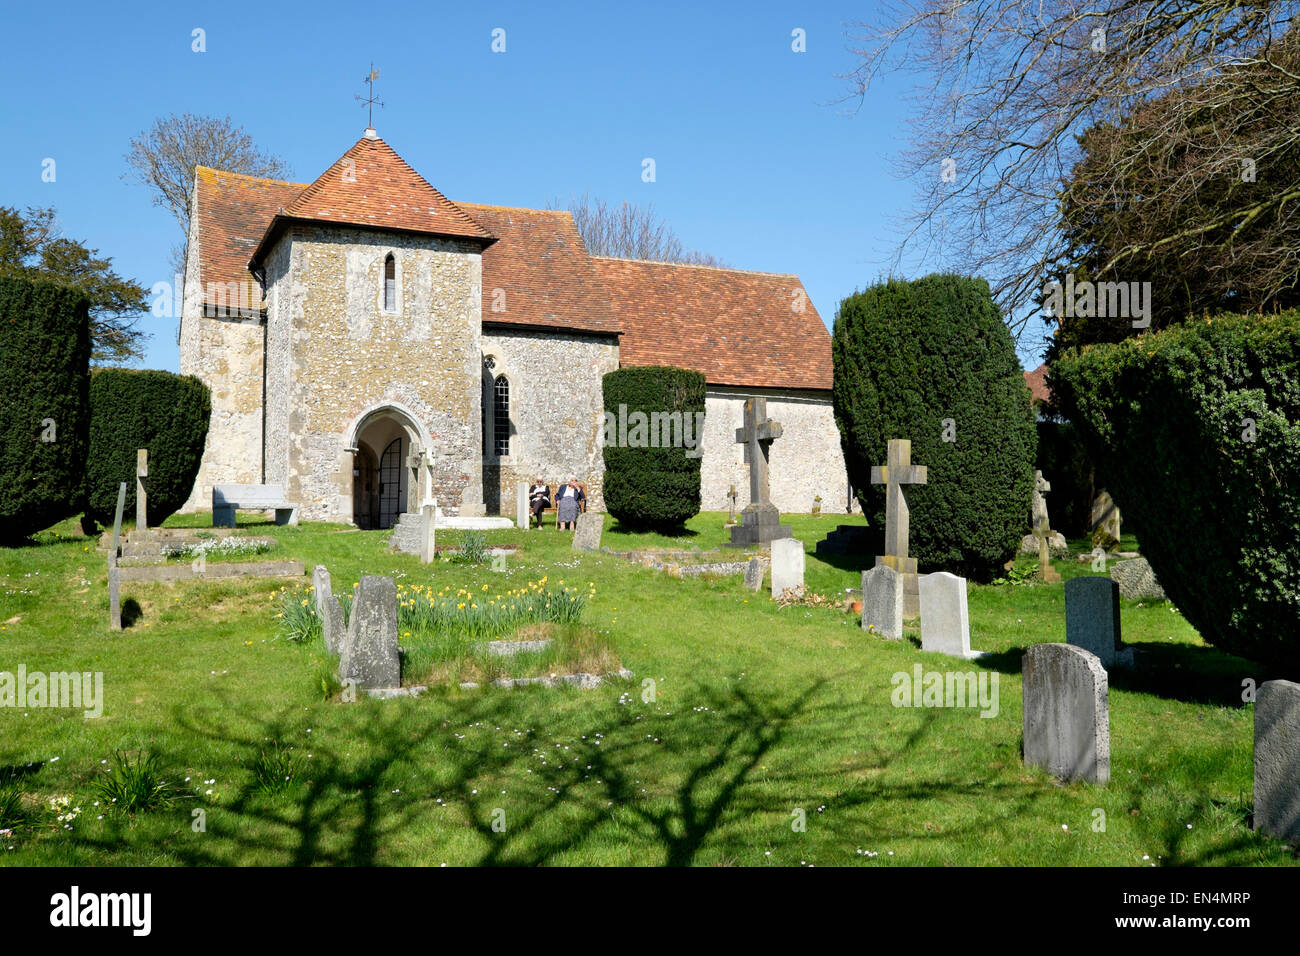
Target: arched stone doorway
[(385, 444)]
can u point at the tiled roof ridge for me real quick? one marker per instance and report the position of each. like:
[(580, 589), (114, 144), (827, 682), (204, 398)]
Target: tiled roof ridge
[(258, 179), (367, 143), (697, 265)]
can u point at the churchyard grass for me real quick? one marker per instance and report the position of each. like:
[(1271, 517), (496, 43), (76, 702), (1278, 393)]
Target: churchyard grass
[(760, 716)]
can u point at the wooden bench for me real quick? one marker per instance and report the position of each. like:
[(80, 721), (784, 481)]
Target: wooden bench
[(551, 490), (227, 499)]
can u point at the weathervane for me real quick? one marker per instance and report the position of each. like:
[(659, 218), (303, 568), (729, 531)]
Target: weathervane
[(370, 100)]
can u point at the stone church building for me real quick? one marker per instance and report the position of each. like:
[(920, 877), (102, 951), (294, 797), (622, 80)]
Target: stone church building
[(356, 328)]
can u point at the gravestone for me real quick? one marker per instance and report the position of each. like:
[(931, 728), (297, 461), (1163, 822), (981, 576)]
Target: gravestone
[(586, 537), (333, 630), (731, 509), (322, 589), (1066, 712), (882, 602), (754, 574), (1042, 529), (1136, 580), (523, 517), (945, 619), (1092, 620), (896, 472), (428, 534), (369, 654), (1104, 521), (760, 522), (1277, 760), (141, 473), (329, 608), (114, 580), (787, 566)]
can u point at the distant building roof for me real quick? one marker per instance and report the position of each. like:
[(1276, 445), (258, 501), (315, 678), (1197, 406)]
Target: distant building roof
[(1037, 382)]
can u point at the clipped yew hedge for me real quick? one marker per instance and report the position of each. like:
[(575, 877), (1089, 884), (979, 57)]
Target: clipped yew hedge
[(161, 411), (1196, 433), (930, 360), (644, 486), (44, 377)]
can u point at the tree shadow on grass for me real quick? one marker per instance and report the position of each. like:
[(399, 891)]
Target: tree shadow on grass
[(663, 786)]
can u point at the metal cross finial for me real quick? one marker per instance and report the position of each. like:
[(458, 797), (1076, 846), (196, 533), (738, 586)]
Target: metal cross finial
[(370, 100)]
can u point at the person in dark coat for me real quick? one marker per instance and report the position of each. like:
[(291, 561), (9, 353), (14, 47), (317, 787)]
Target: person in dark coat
[(539, 499), (568, 502)]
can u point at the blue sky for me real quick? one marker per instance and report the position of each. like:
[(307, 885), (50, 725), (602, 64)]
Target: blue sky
[(757, 162)]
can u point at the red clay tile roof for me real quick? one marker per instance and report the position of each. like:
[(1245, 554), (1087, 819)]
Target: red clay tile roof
[(1037, 382), (749, 329), (540, 263), (233, 212), (371, 186)]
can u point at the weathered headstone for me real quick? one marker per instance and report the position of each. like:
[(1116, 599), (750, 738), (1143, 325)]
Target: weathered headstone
[(882, 602), (586, 537), (523, 517), (1042, 529), (731, 510), (754, 574), (1136, 580), (787, 566), (141, 473), (1092, 620), (114, 581), (760, 522), (1277, 760), (945, 619), (369, 654), (1104, 521), (333, 630), (322, 589), (428, 533), (896, 472), (1066, 712), (329, 609)]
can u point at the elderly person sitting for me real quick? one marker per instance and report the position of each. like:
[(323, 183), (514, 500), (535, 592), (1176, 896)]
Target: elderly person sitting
[(568, 502), (539, 499)]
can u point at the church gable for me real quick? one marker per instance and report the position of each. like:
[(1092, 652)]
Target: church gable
[(370, 186)]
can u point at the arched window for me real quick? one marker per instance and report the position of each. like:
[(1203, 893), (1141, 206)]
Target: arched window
[(501, 416), (390, 283)]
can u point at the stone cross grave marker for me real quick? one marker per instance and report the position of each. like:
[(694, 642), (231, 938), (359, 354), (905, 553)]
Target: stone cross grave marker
[(586, 536), (760, 522), (1277, 760), (787, 566), (1092, 620), (1042, 529), (141, 473), (945, 618), (523, 517), (897, 471), (370, 656), (114, 587), (882, 602), (1066, 712), (731, 508)]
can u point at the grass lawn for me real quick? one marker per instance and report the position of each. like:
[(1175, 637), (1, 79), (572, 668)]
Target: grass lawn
[(760, 715)]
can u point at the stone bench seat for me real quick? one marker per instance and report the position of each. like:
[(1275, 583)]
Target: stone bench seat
[(227, 499)]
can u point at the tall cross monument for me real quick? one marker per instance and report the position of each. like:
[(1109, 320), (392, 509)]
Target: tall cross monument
[(896, 472), (760, 522)]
